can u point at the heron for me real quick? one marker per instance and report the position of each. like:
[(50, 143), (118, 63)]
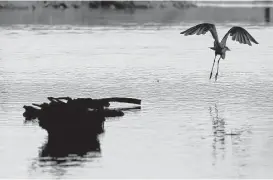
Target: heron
[(238, 34)]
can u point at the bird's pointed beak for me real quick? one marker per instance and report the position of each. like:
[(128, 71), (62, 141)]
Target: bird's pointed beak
[(228, 49)]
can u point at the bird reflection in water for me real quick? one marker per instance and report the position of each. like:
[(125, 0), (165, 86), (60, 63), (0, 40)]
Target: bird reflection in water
[(218, 129), (221, 137)]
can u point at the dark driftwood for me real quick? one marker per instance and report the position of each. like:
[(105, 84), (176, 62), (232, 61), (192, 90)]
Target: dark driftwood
[(122, 100), (127, 109), (73, 125), (76, 112), (113, 99)]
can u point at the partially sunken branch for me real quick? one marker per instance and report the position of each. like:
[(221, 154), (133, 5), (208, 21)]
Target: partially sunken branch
[(66, 113)]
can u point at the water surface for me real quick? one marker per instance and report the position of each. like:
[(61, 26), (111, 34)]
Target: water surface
[(185, 121)]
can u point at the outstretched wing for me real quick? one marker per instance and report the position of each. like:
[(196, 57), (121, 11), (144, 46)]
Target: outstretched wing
[(239, 34), (202, 29)]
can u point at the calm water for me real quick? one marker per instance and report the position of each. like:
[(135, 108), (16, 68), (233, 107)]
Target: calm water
[(180, 131)]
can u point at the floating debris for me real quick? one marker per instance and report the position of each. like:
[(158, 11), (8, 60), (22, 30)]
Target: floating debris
[(71, 122), (80, 112)]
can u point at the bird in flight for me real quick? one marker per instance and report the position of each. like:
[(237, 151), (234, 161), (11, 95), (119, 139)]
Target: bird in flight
[(238, 34)]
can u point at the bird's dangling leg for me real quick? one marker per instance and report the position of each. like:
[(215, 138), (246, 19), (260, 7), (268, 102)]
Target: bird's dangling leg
[(217, 69), (212, 67)]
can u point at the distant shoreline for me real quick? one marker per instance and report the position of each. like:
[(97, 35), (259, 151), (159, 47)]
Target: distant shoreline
[(112, 5), (247, 4), (159, 13), (125, 5)]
